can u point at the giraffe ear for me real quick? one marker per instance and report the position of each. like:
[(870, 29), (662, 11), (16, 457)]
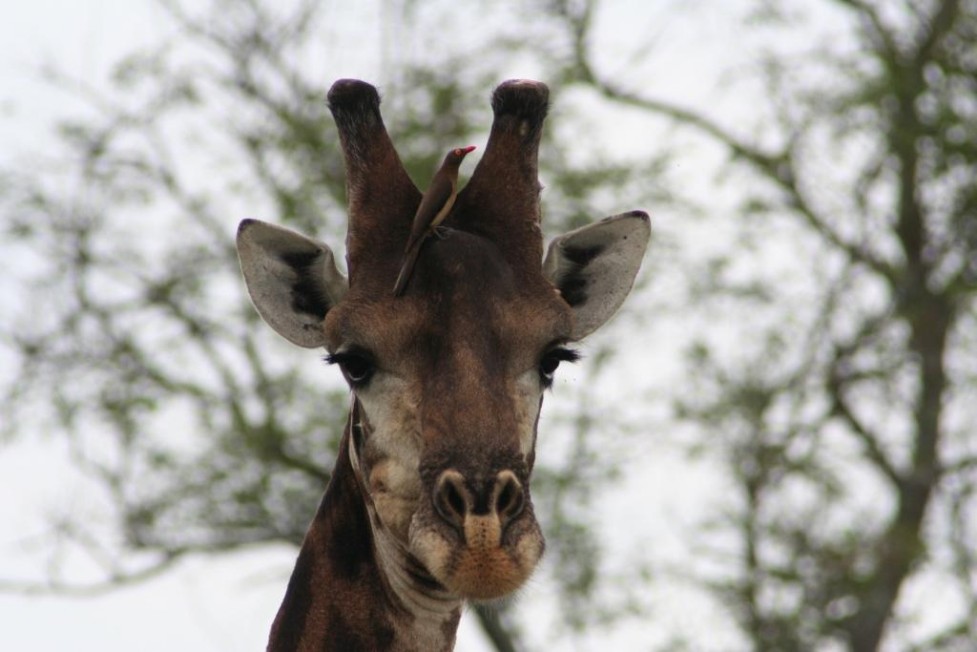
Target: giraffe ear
[(293, 280), (594, 267)]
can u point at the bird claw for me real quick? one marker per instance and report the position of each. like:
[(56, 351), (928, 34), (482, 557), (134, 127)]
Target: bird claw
[(441, 232)]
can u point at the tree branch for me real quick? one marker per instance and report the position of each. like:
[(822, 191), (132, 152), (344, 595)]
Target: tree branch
[(502, 636), (778, 167), (931, 31), (114, 581), (877, 30), (868, 439)]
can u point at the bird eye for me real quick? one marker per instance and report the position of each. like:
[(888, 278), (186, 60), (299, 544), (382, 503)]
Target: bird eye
[(551, 360), (357, 366)]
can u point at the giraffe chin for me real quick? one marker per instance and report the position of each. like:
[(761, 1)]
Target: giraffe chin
[(480, 567)]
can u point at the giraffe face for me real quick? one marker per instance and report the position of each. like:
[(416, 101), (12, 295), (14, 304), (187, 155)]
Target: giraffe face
[(450, 380), (449, 377)]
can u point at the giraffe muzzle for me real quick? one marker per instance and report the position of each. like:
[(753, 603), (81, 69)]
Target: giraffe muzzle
[(483, 541), (485, 508)]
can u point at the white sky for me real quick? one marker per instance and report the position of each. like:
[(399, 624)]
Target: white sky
[(228, 602)]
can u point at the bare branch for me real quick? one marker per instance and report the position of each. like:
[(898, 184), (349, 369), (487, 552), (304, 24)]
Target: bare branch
[(868, 438), (963, 465), (502, 636), (931, 31), (778, 167), (876, 29), (114, 581)]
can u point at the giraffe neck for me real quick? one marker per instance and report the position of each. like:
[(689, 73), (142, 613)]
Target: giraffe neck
[(355, 586)]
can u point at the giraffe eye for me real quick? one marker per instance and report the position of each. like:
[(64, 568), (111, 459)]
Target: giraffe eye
[(357, 366), (551, 360)]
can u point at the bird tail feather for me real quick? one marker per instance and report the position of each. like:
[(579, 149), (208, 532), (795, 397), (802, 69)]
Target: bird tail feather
[(407, 268)]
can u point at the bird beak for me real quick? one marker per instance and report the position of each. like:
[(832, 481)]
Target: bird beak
[(466, 150)]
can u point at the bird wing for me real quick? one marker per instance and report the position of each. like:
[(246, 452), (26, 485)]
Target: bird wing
[(431, 204)]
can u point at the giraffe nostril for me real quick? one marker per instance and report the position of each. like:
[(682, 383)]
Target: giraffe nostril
[(451, 498), (455, 502), (509, 497)]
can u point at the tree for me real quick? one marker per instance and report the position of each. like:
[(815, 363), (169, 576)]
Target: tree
[(202, 432), (827, 346), (840, 398)]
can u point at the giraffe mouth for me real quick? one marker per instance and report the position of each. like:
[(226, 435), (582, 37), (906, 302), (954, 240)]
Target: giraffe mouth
[(477, 554), (484, 569)]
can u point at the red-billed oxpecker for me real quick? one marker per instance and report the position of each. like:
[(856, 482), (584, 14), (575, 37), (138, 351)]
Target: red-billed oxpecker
[(434, 207)]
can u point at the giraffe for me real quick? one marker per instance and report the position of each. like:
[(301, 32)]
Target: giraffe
[(429, 501)]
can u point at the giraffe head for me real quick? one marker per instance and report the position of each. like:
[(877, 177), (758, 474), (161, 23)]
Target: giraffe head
[(448, 379)]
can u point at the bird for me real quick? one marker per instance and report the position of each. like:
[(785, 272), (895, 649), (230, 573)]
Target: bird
[(435, 206)]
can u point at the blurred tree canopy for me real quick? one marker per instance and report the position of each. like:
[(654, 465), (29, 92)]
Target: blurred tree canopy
[(829, 341), (840, 394)]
